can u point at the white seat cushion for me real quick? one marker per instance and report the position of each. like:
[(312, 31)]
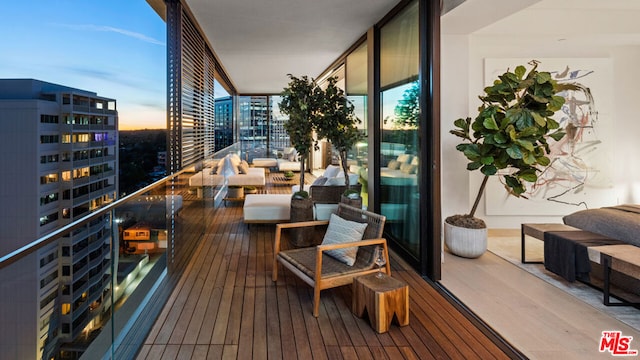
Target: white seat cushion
[(324, 211), (267, 207)]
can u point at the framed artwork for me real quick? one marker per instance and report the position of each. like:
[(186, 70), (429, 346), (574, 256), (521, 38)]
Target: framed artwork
[(580, 173)]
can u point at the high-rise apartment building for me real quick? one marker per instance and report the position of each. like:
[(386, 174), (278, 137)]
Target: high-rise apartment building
[(59, 162), (224, 123)]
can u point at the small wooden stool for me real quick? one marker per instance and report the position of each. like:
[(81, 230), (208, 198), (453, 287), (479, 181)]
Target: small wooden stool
[(382, 298)]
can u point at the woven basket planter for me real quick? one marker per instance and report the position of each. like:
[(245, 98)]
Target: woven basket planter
[(301, 210), (468, 243), (356, 203), (235, 192), (325, 194)]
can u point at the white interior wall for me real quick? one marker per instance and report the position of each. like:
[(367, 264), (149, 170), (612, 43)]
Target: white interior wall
[(456, 196), (454, 104), (626, 78)]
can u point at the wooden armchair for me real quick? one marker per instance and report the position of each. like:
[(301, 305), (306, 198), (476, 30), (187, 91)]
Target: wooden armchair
[(322, 271)]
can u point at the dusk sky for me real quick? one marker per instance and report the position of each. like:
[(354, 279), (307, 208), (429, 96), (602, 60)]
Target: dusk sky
[(116, 48)]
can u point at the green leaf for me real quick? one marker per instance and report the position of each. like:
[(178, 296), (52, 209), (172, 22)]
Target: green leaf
[(487, 160), (514, 152), (556, 103), (511, 181), (471, 152), (518, 190), (474, 165), (462, 147), (543, 77), (462, 123), (489, 170), (512, 132), (459, 133), (500, 138), (552, 124), (525, 144), (557, 135), (520, 71), (528, 158), (528, 175), (490, 123), (540, 99), (543, 160), (530, 131)]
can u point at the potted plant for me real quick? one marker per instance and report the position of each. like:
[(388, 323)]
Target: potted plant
[(352, 197), (509, 135), (250, 189), (289, 174), (301, 101), (338, 124)]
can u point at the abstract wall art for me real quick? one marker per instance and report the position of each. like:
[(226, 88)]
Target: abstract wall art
[(579, 175)]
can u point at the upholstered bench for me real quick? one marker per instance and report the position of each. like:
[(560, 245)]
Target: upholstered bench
[(266, 208)]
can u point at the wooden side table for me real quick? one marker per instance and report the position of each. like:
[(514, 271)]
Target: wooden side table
[(382, 298)]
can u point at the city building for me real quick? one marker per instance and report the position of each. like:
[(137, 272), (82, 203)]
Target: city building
[(60, 163), (384, 52), (224, 128)]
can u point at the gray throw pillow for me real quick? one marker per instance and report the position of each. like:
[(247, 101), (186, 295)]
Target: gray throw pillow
[(319, 181), (341, 231), (394, 165), (408, 168)]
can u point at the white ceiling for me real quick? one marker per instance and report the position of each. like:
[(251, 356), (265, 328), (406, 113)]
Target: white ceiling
[(610, 21), (260, 41)]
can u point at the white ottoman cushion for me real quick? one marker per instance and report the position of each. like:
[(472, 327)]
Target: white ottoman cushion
[(267, 208), (324, 211)]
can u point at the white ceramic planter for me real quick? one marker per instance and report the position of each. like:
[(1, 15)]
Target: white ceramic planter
[(469, 243)]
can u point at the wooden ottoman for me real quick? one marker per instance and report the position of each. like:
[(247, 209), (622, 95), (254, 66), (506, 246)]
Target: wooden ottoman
[(382, 298), (266, 208)]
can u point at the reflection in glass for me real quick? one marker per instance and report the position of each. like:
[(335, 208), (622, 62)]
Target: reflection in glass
[(399, 126), (356, 66)]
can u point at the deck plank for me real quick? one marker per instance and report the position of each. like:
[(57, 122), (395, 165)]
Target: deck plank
[(226, 306)]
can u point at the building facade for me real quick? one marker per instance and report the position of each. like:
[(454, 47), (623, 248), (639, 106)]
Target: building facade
[(60, 163), (224, 129)]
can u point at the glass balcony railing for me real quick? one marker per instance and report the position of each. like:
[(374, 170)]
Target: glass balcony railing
[(93, 288)]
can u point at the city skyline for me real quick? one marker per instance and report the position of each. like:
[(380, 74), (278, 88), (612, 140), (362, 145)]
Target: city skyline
[(116, 48)]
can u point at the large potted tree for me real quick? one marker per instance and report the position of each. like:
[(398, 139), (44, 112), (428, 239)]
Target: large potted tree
[(338, 125), (301, 101), (508, 137)]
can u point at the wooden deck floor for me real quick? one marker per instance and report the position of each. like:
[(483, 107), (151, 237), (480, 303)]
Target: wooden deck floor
[(226, 306)]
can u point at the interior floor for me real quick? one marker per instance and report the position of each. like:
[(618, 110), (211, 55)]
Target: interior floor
[(538, 313)]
